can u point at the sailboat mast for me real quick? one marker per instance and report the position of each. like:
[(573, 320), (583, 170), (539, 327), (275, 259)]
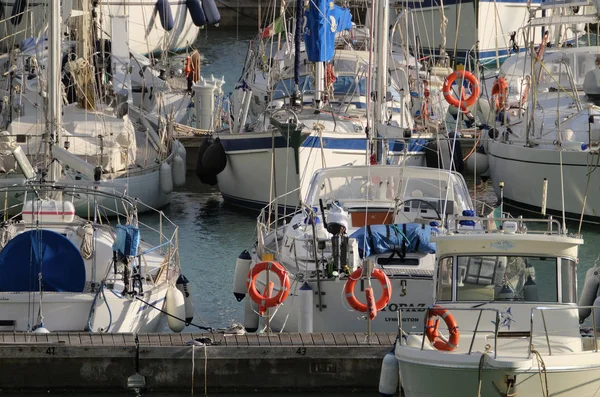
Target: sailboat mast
[(297, 43), (382, 51), (54, 91)]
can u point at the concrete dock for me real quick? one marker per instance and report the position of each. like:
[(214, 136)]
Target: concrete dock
[(168, 362)]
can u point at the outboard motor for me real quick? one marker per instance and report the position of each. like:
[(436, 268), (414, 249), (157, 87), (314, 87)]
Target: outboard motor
[(337, 224)]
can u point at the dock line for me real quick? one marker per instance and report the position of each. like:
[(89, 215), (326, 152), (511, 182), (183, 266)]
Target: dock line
[(175, 317)]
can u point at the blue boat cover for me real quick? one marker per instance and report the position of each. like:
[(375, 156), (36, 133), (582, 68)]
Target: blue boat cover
[(41, 251), (381, 239), (323, 20), (127, 240)]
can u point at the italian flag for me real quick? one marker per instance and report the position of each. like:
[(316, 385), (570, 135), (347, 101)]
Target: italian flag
[(273, 29)]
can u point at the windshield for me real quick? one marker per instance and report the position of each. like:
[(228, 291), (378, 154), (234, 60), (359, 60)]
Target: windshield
[(382, 184), (502, 278)]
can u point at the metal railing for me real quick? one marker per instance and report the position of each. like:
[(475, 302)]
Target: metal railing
[(496, 330), (552, 226), (164, 239)]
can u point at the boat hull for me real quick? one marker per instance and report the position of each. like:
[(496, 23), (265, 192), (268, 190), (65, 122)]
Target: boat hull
[(459, 375), (146, 34), (523, 170), (62, 311), (246, 181), (493, 23), (418, 296)]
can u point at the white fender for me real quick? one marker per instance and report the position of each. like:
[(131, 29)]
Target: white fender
[(175, 306), (305, 308), (183, 285), (589, 291), (242, 267), (388, 378), (166, 179), (178, 170), (479, 162), (179, 148)]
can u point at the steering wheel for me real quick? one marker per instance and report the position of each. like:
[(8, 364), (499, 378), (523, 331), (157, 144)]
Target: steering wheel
[(427, 203)]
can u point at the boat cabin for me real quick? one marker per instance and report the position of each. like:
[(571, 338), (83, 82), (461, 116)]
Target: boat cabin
[(510, 287)]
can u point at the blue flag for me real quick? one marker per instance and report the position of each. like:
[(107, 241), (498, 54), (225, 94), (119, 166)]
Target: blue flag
[(322, 20)]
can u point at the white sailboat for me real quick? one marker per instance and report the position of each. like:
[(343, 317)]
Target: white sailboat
[(350, 216), (100, 147), (485, 31), (336, 116), (545, 134), (65, 273)]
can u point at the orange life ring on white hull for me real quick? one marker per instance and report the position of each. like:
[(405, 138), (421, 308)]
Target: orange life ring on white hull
[(433, 334), (386, 294), (500, 94), (462, 103), (267, 301)]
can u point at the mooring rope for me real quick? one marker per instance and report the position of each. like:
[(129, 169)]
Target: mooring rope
[(542, 367), (175, 317), (205, 369)]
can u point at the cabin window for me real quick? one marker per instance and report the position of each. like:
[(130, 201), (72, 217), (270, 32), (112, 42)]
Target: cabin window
[(506, 278), (444, 292)]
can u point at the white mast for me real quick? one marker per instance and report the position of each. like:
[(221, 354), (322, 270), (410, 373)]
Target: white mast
[(382, 64), (54, 88)]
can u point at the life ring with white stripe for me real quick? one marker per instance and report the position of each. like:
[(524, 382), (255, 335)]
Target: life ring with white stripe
[(461, 103), (266, 300), (433, 334), (386, 287)]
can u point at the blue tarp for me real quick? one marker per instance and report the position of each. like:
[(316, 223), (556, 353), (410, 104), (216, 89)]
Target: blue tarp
[(381, 239), (41, 251), (323, 20), (127, 240)]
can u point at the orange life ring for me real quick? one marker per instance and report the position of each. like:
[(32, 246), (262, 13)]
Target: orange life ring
[(381, 302), (463, 103), (500, 93), (284, 280), (431, 329)]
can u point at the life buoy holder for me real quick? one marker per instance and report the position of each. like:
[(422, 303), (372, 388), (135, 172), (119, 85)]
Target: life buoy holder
[(284, 281), (386, 294), (500, 94), (462, 103), (433, 334)]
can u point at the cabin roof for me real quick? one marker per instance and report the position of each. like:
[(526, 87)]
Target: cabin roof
[(523, 244)]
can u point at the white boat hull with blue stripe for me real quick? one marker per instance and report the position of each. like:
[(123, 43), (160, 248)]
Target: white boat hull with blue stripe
[(493, 22), (247, 181)]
